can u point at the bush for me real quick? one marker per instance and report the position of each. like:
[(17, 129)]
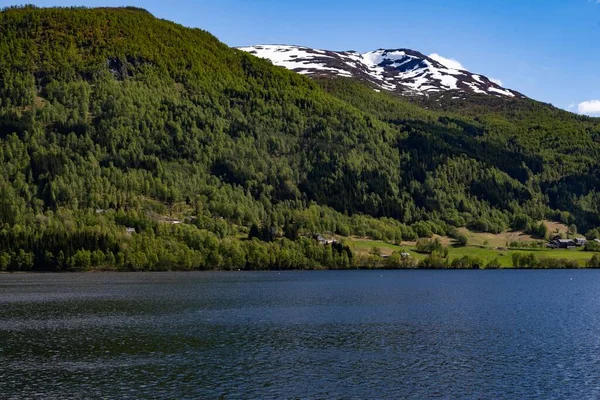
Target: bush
[(397, 261), (408, 233), (540, 230), (524, 260), (494, 264), (591, 246), (445, 252), (438, 227), (572, 229), (4, 261), (461, 239), (376, 251), (593, 262), (422, 229), (433, 261), (557, 263), (480, 225), (428, 246), (521, 222), (593, 234), (467, 262)]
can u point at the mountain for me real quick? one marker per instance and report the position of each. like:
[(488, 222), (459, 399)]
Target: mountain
[(130, 142), (403, 71)]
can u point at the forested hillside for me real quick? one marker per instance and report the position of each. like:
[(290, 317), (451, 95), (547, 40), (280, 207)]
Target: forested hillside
[(112, 119)]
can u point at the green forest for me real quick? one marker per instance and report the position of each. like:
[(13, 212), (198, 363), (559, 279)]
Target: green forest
[(132, 143)]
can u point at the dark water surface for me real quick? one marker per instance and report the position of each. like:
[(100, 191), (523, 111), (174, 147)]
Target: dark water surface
[(351, 334)]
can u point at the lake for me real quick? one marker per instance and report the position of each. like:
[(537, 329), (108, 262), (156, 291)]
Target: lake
[(334, 334)]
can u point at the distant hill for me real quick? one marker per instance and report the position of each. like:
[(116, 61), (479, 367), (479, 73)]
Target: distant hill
[(131, 142)]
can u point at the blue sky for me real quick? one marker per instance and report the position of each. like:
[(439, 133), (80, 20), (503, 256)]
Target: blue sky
[(546, 49)]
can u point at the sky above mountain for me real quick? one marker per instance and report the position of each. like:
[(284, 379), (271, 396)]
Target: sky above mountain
[(546, 49)]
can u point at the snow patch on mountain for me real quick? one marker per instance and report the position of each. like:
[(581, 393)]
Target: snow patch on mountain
[(501, 91), (295, 58), (404, 71)]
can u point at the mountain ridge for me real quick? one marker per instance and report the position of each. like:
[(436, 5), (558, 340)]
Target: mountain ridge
[(403, 71)]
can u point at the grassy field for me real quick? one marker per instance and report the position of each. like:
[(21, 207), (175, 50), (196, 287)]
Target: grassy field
[(486, 253), (366, 245), (505, 256)]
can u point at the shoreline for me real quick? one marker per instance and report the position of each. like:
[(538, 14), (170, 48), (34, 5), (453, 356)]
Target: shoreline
[(101, 271)]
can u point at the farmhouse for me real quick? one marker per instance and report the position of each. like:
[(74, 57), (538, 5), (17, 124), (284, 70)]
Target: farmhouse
[(558, 243), (322, 240)]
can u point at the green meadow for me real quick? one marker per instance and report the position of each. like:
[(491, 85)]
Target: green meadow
[(487, 254)]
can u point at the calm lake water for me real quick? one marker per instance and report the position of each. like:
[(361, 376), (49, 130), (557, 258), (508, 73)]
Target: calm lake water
[(350, 334)]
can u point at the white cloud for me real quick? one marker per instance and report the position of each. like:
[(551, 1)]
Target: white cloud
[(455, 64), (589, 107), (447, 62), (571, 106)]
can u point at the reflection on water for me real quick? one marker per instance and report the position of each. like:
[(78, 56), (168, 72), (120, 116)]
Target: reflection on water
[(350, 334)]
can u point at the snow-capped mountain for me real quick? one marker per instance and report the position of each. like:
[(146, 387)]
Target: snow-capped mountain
[(404, 71)]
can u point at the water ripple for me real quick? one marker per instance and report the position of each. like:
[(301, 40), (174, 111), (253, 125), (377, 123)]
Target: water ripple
[(410, 334)]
